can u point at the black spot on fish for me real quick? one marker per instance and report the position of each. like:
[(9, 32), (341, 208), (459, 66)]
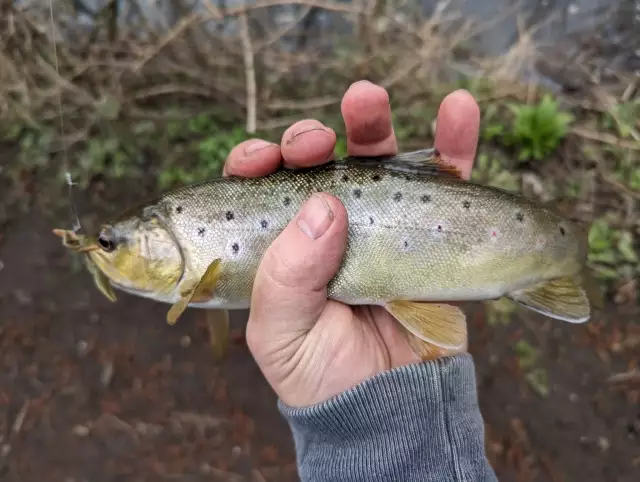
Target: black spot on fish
[(370, 220), (357, 193), (397, 196), (405, 244), (439, 228), (466, 204), (345, 178), (426, 198), (520, 217), (201, 231), (562, 231), (287, 201), (235, 248), (376, 177), (264, 224), (179, 209), (229, 215)]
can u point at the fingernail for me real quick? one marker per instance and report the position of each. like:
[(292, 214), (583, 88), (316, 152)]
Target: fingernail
[(256, 146), (316, 126), (315, 217)]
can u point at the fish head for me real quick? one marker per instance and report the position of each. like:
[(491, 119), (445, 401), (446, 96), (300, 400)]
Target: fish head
[(136, 253)]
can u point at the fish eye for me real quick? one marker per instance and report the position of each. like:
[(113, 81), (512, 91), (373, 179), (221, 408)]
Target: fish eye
[(107, 241)]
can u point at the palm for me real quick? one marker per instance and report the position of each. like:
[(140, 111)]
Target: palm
[(354, 343)]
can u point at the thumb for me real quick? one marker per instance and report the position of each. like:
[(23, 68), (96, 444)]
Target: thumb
[(290, 288)]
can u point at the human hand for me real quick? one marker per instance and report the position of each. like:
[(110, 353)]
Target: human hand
[(310, 348)]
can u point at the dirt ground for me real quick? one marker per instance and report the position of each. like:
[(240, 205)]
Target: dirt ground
[(98, 391)]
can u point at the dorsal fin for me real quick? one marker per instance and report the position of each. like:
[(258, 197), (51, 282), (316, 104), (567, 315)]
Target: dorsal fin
[(423, 162)]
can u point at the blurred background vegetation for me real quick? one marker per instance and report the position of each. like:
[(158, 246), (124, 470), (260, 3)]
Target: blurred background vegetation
[(140, 96)]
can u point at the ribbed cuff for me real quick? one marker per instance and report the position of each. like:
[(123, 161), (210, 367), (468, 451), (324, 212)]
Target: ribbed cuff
[(414, 423)]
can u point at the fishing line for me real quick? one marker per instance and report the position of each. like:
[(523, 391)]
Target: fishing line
[(75, 219)]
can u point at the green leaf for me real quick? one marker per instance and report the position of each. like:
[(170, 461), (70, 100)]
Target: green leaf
[(526, 353), (538, 381), (625, 247)]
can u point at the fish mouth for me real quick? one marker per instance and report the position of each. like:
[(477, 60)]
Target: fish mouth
[(78, 243)]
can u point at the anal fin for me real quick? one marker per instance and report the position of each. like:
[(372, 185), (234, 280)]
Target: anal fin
[(562, 299), (201, 291), (441, 325), (218, 326)]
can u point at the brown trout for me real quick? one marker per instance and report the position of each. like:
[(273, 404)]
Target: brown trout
[(419, 236)]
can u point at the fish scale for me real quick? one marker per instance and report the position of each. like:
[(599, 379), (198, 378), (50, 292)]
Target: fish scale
[(458, 260)]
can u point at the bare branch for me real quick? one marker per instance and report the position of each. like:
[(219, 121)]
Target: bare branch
[(250, 73)]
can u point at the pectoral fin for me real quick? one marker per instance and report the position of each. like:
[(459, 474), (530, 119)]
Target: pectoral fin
[(201, 291), (562, 299), (218, 325), (441, 325)]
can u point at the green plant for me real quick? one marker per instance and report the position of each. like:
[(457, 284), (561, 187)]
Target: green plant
[(536, 130), (208, 153), (624, 118), (500, 311), (492, 171), (492, 126), (612, 252), (536, 377)]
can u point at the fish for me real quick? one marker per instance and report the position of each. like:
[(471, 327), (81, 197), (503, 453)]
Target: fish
[(420, 240)]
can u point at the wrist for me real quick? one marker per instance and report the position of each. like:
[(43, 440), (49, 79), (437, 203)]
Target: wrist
[(427, 382), (394, 425)]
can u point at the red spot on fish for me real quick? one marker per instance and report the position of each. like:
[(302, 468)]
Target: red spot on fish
[(493, 233)]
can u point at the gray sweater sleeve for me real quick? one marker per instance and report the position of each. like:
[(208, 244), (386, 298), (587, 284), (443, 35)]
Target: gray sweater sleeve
[(416, 423)]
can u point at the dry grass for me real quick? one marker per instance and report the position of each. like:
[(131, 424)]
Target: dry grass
[(236, 59), (246, 73)]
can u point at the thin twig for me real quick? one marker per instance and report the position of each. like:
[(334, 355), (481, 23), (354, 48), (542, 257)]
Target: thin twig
[(620, 187), (175, 32), (250, 73), (22, 414), (605, 138), (629, 377)]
